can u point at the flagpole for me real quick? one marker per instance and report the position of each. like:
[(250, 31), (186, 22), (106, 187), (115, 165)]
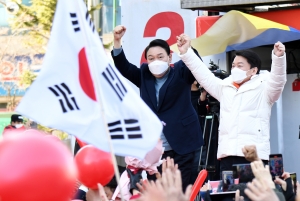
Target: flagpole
[(96, 79)]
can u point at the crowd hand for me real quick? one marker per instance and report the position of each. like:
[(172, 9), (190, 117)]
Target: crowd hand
[(119, 32), (259, 190), (250, 153), (172, 184), (205, 187), (142, 185), (158, 175), (92, 195), (279, 49), (168, 188), (96, 195), (151, 191), (204, 191), (262, 173), (238, 197), (183, 43), (169, 164), (281, 182)]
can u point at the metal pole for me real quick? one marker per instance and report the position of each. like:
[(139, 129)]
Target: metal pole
[(210, 134), (114, 14), (96, 15), (204, 133)]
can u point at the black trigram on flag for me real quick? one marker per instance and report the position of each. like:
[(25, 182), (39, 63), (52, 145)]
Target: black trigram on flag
[(125, 129), (75, 22), (114, 81), (65, 98), (89, 21)]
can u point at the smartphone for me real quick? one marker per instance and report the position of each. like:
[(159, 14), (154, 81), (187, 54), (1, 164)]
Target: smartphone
[(227, 180), (243, 172), (294, 180), (276, 165)]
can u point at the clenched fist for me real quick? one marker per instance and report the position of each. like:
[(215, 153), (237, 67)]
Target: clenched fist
[(119, 32), (279, 49), (250, 153), (183, 43)]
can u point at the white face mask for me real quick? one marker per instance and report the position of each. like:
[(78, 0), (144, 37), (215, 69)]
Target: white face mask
[(18, 125), (238, 75), (158, 67)]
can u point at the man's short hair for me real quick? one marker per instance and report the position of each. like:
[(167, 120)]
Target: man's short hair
[(16, 118), (252, 58), (158, 43)]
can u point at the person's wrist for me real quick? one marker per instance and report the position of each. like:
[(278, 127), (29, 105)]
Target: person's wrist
[(183, 51), (257, 159), (135, 191), (117, 44), (271, 184)]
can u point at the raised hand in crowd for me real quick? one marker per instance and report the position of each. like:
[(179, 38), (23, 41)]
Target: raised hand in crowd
[(168, 188), (237, 196), (205, 191), (96, 195), (283, 182), (262, 173), (287, 186), (250, 153), (119, 32), (260, 190), (279, 49), (169, 164)]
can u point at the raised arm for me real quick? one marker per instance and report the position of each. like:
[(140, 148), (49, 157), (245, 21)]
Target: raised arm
[(277, 79), (128, 70), (187, 75), (202, 74)]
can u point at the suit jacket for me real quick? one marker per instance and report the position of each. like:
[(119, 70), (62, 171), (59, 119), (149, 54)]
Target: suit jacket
[(182, 128)]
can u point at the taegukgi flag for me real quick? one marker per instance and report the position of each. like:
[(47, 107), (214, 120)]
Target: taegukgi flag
[(75, 72)]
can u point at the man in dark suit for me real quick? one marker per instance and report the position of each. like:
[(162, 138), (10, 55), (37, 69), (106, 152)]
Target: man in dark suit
[(166, 91)]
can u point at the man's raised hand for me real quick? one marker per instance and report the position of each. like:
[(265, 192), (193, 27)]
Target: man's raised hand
[(279, 49), (183, 43), (119, 32)]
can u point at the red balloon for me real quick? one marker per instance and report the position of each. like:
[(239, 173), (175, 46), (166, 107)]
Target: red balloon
[(34, 168), (94, 166)]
